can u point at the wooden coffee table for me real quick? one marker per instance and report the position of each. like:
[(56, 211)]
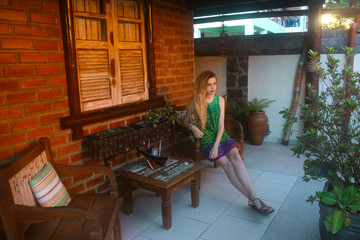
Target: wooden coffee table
[(162, 181)]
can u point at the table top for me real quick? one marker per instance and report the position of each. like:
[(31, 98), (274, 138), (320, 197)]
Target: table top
[(175, 170)]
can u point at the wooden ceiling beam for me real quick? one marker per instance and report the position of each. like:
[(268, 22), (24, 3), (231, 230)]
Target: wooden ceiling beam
[(251, 16), (208, 8)]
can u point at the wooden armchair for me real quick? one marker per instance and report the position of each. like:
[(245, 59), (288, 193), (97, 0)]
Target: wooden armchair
[(183, 145), (87, 216)]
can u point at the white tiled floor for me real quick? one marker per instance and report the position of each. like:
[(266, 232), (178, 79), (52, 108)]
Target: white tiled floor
[(223, 213)]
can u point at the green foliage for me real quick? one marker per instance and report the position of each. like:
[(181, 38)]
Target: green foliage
[(339, 21), (258, 105), (344, 201), (167, 113), (330, 140)]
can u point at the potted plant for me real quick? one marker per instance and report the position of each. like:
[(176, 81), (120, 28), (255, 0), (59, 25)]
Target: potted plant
[(257, 120), (331, 144)]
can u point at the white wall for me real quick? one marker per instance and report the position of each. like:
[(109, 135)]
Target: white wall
[(215, 64), (273, 77)]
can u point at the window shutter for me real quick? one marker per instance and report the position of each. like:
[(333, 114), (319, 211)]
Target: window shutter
[(94, 78)]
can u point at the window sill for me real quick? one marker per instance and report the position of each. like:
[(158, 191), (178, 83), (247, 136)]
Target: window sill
[(76, 122)]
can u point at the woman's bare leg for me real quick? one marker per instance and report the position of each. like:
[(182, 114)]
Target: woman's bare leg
[(228, 167), (235, 169)]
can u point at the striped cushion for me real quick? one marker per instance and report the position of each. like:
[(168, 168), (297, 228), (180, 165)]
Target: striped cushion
[(48, 189)]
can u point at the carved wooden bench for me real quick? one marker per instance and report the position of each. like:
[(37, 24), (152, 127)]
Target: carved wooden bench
[(87, 216)]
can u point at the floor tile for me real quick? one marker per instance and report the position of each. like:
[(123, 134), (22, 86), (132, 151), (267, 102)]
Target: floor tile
[(277, 178), (220, 191), (232, 228), (208, 211), (132, 225), (182, 228), (239, 208), (271, 192)]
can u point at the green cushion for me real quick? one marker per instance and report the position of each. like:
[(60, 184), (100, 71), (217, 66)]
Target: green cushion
[(48, 189)]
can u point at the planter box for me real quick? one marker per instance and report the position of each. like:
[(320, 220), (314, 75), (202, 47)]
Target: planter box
[(109, 143)]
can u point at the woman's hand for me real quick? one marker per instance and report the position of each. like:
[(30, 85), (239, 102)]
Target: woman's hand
[(196, 131), (213, 152)]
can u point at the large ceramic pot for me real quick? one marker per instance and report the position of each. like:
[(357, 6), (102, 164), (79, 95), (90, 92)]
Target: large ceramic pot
[(256, 124), (346, 233)]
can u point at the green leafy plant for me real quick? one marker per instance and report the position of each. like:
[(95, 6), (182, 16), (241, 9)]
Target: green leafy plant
[(330, 139), (258, 105), (343, 201), (167, 113)]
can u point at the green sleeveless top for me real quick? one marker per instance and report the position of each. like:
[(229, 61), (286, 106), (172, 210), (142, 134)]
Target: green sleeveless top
[(211, 126)]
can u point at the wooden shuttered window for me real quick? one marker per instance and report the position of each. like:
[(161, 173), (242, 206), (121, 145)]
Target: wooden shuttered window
[(110, 52)]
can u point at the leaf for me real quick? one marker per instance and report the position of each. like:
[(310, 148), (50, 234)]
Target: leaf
[(329, 198), (349, 194), (328, 222), (347, 222), (337, 220), (339, 192)]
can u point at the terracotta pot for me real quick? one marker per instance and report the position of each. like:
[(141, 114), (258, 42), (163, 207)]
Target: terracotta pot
[(256, 123)]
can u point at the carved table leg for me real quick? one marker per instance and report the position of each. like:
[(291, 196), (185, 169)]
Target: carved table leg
[(128, 202), (166, 209), (195, 186)]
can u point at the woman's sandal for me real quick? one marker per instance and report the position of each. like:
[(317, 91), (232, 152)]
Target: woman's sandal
[(264, 209)]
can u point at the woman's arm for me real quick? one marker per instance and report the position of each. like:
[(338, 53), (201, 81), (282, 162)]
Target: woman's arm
[(195, 130), (214, 151)]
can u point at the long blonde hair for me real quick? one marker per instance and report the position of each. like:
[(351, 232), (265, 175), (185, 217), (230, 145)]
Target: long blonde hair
[(197, 103)]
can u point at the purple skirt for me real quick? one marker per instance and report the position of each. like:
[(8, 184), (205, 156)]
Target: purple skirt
[(224, 148)]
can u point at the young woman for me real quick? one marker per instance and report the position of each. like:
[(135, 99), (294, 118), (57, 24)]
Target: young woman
[(205, 118)]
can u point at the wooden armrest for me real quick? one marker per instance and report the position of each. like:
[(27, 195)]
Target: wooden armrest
[(68, 171), (29, 214)]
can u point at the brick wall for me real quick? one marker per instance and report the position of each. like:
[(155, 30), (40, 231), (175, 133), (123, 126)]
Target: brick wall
[(33, 91)]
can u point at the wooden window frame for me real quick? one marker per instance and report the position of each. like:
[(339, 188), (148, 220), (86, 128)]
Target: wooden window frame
[(78, 119)]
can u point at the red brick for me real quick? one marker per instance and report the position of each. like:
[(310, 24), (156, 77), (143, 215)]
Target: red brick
[(15, 44), (32, 57), (58, 81), (60, 105), (65, 161), (117, 124), (51, 118), (12, 140), (44, 18), (68, 149), (10, 113), (34, 83), (24, 124), (77, 157), (18, 71), (37, 108), (50, 94), (9, 85), (5, 28), (5, 154), (58, 140), (7, 57), (4, 128), (45, 45), (31, 4), (56, 57), (82, 177), (54, 32), (13, 15), (51, 6), (21, 149), (44, 132), (28, 30), (21, 97), (46, 70)]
